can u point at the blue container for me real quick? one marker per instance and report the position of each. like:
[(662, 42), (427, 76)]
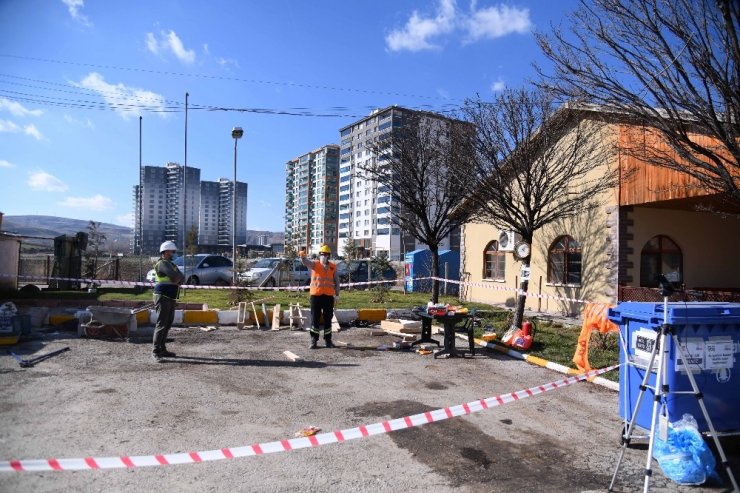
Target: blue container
[(709, 335), (418, 264), (22, 324)]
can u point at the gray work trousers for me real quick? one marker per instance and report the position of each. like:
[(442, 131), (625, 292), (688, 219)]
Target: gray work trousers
[(165, 308)]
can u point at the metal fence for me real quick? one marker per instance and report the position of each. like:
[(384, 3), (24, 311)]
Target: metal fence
[(38, 268), (630, 293)]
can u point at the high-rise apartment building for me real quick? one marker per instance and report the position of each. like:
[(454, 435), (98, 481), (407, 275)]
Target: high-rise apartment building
[(217, 213), (163, 211), (311, 199), (366, 208)]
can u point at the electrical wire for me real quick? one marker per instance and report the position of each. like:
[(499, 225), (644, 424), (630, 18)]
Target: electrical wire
[(225, 78), (168, 106)]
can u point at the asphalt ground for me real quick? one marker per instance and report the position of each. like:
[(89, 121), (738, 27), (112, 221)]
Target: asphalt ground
[(230, 388)]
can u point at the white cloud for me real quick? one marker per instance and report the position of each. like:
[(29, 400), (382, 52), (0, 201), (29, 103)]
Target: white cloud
[(169, 41), (152, 44), (74, 121), (8, 126), (45, 182), (497, 21), (125, 220), (95, 203), (12, 127), (187, 56), (486, 23), (498, 85), (31, 130), (17, 109), (226, 62), (74, 7), (6, 164), (124, 99), (418, 31)]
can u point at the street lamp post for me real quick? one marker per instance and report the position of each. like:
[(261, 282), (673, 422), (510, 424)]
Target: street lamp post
[(236, 133)]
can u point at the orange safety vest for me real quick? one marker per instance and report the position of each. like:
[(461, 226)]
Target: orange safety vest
[(594, 318), (322, 279)]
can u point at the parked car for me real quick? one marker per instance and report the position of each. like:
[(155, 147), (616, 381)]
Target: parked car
[(356, 271), (203, 269), (271, 272)]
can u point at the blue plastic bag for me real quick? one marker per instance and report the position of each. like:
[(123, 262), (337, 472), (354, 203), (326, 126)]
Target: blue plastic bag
[(685, 457)]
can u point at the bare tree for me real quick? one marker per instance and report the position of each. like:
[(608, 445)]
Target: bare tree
[(95, 241), (425, 166), (672, 66), (536, 166)]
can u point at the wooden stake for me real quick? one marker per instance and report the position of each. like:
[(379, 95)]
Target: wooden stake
[(276, 317)]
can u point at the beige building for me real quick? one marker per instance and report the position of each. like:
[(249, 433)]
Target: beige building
[(649, 225)]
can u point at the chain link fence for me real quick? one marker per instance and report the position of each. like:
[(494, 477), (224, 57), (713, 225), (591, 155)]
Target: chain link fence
[(40, 267), (630, 293)]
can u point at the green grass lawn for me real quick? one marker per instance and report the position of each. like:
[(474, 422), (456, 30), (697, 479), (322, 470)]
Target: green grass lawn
[(552, 342)]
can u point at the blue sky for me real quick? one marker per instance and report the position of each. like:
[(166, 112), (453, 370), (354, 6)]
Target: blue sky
[(75, 75)]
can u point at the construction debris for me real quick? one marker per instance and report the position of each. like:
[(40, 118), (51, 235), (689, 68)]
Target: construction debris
[(307, 432), (295, 316), (335, 327), (403, 326), (241, 315), (276, 317), (292, 357), (28, 363)]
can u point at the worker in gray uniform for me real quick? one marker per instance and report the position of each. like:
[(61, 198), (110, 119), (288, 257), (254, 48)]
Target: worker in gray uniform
[(168, 278)]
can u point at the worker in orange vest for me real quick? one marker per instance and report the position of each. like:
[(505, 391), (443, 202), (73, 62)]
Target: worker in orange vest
[(324, 290)]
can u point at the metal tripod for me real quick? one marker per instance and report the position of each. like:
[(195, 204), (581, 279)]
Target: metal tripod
[(661, 391)]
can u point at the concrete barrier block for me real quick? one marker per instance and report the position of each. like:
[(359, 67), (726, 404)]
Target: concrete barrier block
[(199, 317), (372, 315)]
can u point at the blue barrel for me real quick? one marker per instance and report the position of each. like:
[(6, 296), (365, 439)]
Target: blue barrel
[(709, 335)]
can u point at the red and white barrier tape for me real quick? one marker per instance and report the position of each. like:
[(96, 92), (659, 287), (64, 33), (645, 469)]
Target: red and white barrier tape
[(486, 285), (113, 283), (89, 463)]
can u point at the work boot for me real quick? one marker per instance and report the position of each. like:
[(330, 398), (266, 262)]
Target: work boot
[(157, 358), (167, 354), (329, 344), (314, 343)]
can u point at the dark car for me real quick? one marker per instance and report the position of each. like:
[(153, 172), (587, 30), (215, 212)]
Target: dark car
[(203, 269), (357, 271)]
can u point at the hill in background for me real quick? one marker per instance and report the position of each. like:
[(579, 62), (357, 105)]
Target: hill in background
[(41, 231)]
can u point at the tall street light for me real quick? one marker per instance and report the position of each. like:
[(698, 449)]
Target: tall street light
[(140, 207), (236, 133)]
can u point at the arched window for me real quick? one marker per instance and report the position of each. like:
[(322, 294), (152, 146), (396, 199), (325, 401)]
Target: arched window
[(564, 261), (494, 262), (660, 256)]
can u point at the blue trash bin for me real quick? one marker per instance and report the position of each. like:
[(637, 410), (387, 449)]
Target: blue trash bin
[(709, 335)]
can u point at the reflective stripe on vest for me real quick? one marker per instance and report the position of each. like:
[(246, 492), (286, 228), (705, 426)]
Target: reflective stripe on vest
[(322, 279), (163, 279)]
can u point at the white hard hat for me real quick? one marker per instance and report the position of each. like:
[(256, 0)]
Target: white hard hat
[(167, 246)]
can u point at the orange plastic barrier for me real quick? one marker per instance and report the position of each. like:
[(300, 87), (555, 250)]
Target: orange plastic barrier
[(594, 318)]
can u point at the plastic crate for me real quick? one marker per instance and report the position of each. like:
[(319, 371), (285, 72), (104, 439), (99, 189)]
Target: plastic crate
[(709, 335), (6, 325)]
